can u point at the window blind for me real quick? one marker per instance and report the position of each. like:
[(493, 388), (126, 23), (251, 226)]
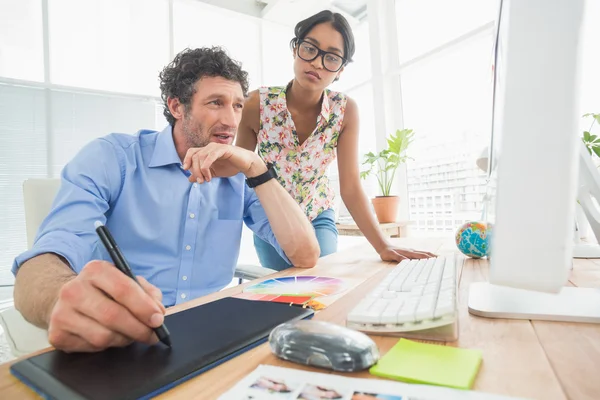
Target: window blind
[(22, 156)]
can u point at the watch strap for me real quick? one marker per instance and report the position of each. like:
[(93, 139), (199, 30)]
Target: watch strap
[(262, 178)]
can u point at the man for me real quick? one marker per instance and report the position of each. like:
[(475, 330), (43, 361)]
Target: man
[(178, 226)]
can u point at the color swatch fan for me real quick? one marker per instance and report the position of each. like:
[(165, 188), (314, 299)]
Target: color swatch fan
[(294, 289)]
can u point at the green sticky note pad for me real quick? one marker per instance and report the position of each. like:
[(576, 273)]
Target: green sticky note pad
[(432, 364)]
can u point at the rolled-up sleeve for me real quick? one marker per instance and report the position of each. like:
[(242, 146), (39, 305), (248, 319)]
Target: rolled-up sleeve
[(89, 183), (256, 220)]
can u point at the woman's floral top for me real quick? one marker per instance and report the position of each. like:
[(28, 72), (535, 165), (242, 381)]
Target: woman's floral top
[(301, 168)]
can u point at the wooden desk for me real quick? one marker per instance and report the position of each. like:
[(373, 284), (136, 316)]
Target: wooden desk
[(539, 360), (393, 229)]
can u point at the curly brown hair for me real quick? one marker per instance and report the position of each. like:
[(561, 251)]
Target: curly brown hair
[(178, 79)]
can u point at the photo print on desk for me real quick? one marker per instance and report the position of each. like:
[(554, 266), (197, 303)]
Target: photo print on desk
[(270, 388), (319, 392), (377, 396)]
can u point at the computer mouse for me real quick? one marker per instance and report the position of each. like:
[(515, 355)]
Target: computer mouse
[(323, 344)]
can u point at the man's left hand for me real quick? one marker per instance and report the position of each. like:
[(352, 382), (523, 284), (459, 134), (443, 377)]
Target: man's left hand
[(217, 160), (397, 254)]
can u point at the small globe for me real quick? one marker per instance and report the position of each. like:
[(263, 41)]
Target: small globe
[(473, 239)]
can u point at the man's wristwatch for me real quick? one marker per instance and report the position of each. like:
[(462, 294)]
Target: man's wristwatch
[(262, 178)]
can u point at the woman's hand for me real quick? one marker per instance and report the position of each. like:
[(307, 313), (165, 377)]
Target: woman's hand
[(391, 253)]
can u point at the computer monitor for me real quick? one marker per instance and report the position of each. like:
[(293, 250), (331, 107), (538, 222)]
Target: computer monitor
[(536, 178)]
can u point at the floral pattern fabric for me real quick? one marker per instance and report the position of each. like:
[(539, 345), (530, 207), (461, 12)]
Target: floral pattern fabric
[(301, 168)]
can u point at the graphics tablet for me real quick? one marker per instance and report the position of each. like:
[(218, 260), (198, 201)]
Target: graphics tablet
[(203, 337)]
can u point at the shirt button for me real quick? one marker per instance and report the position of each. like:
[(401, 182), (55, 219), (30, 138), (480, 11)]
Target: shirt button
[(195, 185), (181, 166), (183, 296), (184, 278), (192, 215), (188, 247)]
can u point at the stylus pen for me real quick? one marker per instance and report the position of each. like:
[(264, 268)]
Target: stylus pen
[(121, 263)]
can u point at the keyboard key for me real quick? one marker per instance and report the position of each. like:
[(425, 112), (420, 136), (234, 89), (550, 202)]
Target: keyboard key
[(416, 291), (390, 314), (389, 295), (444, 309), (358, 316), (412, 277), (448, 283), (407, 312), (431, 288), (424, 310)]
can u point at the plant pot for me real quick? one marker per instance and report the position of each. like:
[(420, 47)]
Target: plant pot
[(386, 208)]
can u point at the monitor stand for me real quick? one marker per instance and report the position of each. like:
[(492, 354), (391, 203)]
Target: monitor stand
[(586, 250), (582, 249), (572, 304)]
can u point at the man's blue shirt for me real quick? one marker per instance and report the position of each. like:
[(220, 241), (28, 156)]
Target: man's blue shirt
[(183, 238)]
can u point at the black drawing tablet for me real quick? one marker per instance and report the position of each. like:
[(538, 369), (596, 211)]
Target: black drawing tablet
[(202, 337)]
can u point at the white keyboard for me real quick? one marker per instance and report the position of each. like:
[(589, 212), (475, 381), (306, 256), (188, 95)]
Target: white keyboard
[(416, 295)]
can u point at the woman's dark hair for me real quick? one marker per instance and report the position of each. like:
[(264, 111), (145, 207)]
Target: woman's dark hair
[(178, 79), (339, 23)]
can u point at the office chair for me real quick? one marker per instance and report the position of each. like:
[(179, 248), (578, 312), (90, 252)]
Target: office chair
[(38, 195)]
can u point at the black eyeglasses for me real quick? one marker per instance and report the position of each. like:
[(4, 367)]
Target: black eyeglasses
[(331, 61)]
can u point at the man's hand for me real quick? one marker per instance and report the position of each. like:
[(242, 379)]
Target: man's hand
[(397, 254), (221, 160), (102, 307)]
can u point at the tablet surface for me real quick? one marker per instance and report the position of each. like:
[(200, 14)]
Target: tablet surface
[(202, 338)]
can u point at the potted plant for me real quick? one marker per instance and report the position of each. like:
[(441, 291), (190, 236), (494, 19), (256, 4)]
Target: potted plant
[(384, 165)]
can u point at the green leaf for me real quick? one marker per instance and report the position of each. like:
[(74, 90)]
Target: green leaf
[(586, 136), (593, 115), (596, 150), (388, 160)]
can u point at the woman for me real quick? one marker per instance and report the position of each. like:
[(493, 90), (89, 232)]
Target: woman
[(298, 128)]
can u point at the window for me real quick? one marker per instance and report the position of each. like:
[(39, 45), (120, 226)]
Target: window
[(22, 156), (196, 25), (359, 70), (455, 86), (277, 57), (120, 46), (79, 118), (112, 45), (363, 96), (426, 24), (21, 49)]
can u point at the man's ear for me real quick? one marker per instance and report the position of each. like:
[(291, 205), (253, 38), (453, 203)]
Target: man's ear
[(175, 107)]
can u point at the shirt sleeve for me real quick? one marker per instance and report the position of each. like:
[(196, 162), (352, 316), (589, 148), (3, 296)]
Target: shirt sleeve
[(89, 183), (256, 220)]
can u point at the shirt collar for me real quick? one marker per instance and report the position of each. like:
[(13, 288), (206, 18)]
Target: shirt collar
[(164, 150), (281, 103)]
